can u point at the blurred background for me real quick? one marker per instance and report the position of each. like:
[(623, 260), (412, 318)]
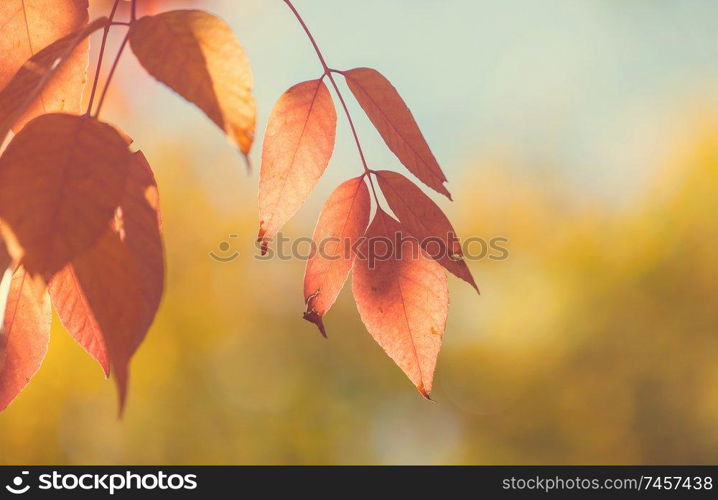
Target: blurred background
[(584, 132)]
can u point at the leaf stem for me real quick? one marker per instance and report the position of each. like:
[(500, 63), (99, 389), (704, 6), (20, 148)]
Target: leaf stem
[(329, 73), (112, 73), (105, 34)]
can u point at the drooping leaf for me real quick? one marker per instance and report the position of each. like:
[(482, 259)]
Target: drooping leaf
[(424, 219), (402, 298), (73, 309), (52, 68), (392, 118), (298, 145), (137, 224), (24, 336), (62, 178), (111, 281), (197, 55), (140, 226), (29, 26), (342, 222)]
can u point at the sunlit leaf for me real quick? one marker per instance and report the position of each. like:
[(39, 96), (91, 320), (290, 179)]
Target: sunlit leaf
[(26, 28), (62, 179), (392, 118), (342, 222), (197, 55), (24, 336), (425, 220), (402, 297), (45, 70), (73, 309), (84, 294), (298, 145)]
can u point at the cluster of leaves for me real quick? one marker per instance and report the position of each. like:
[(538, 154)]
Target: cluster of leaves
[(79, 209), (401, 292)]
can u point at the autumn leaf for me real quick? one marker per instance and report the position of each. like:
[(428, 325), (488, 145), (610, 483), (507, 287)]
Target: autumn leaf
[(62, 178), (298, 145), (197, 55), (110, 279), (140, 226), (24, 336), (36, 74), (402, 298), (5, 259), (26, 28), (342, 222), (392, 118), (424, 219), (79, 213), (76, 315), (85, 313)]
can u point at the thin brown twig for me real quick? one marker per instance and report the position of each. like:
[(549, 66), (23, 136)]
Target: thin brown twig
[(329, 73), (103, 45), (112, 73)]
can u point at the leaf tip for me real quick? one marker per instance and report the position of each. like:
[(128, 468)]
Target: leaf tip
[(424, 393), (121, 381), (262, 239), (314, 317), (473, 284), (247, 164)]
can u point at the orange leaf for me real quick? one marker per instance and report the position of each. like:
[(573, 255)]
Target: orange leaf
[(342, 222), (111, 281), (392, 118), (197, 55), (403, 299), (5, 259), (51, 68), (27, 27), (62, 178), (298, 145), (425, 220), (24, 336), (84, 312), (74, 311)]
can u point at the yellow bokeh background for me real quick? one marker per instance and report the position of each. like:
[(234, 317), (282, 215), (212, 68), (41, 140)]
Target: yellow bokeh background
[(595, 342)]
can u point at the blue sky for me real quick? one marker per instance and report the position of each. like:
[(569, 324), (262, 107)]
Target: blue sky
[(592, 89)]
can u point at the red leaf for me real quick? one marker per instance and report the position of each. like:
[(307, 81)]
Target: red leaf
[(342, 222), (392, 118), (62, 178), (24, 336), (298, 144), (27, 27), (84, 302), (74, 311), (403, 299), (111, 281), (425, 220), (52, 68), (142, 234), (197, 55)]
